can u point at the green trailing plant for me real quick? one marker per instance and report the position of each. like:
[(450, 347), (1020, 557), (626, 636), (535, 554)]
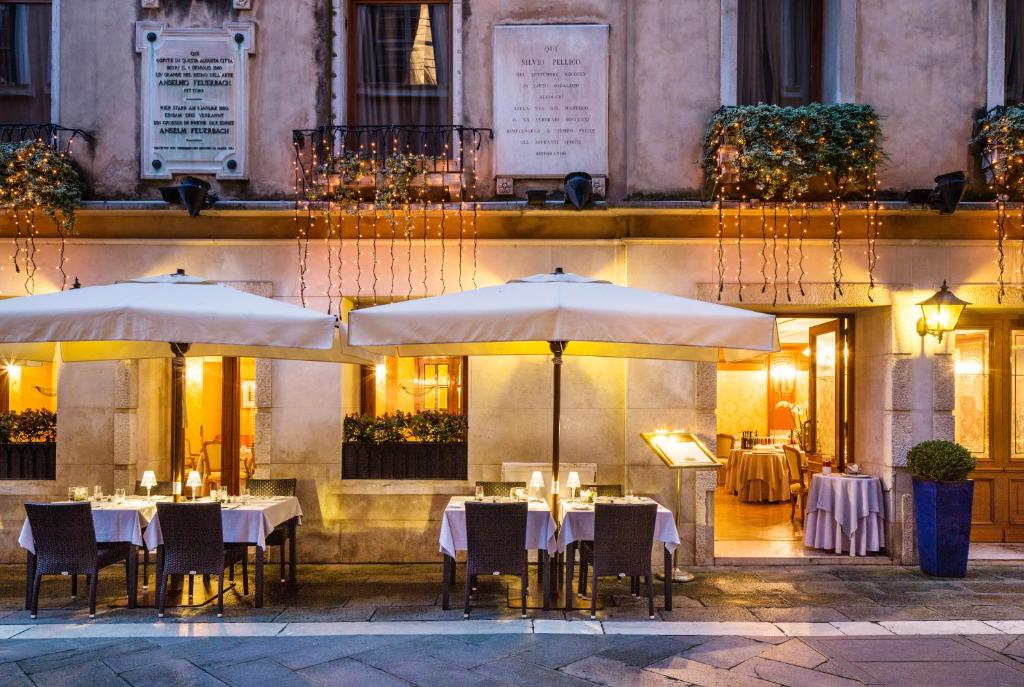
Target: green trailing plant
[(783, 151), (34, 176), (433, 426), (396, 175), (999, 140), (28, 426), (941, 460)]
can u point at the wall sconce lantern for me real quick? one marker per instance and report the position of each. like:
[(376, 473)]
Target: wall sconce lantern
[(940, 313)]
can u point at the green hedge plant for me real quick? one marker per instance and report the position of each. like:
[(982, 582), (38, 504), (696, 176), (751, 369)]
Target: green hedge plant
[(999, 140), (785, 151), (28, 426), (433, 426), (946, 461)]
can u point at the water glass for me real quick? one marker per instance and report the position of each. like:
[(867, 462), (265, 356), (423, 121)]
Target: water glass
[(214, 494), (81, 494), (97, 492), (479, 492), (119, 496)]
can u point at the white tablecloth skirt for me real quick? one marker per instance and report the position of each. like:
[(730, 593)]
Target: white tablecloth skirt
[(250, 523), (578, 525), (822, 531), (113, 523), (540, 527)]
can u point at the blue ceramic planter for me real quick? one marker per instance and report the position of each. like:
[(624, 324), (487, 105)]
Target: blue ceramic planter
[(942, 511)]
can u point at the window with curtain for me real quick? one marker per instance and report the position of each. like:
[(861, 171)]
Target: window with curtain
[(1014, 72), (25, 61), (401, 63), (779, 52), (8, 56)]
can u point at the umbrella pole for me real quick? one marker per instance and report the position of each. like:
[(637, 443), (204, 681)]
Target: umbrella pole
[(178, 416), (557, 348)]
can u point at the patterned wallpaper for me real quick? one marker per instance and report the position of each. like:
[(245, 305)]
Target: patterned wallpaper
[(742, 401)]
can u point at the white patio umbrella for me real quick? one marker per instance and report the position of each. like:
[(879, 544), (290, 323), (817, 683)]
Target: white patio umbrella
[(168, 316), (564, 313)]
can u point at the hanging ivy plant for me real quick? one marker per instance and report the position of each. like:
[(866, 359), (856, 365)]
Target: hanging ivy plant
[(999, 139), (396, 175), (33, 176), (784, 153)]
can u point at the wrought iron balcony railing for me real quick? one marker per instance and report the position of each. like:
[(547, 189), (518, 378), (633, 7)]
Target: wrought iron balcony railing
[(58, 137)]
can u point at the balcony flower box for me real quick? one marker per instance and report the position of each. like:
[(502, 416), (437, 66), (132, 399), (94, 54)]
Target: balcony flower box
[(404, 460)]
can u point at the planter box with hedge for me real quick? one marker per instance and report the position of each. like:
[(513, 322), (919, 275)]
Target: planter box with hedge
[(28, 448), (943, 497), (426, 445)]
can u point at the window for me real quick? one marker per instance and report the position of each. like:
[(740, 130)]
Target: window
[(779, 52), (400, 64), (25, 61), (411, 385), (1014, 76), (27, 386)]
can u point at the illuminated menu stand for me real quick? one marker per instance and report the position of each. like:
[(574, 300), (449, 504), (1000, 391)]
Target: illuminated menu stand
[(680, 451)]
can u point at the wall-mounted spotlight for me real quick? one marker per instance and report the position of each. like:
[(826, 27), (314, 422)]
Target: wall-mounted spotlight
[(579, 189)]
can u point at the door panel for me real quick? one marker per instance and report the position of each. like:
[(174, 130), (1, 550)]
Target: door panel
[(828, 390)]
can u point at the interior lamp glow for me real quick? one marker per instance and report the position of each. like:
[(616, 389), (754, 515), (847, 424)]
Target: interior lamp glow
[(194, 481), (573, 483), (148, 481), (940, 313)]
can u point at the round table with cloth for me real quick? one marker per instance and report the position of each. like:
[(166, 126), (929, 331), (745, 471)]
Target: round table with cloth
[(845, 514), (758, 475)]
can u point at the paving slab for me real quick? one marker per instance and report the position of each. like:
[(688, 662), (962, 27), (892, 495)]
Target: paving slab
[(790, 675), (606, 671), (959, 674), (345, 672), (794, 652)]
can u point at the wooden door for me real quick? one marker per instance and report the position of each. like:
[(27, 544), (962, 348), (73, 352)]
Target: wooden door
[(830, 393), (989, 420)]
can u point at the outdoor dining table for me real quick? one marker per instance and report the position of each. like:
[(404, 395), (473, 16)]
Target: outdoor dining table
[(540, 535), (114, 522), (577, 525), (758, 474), (845, 513), (249, 523)]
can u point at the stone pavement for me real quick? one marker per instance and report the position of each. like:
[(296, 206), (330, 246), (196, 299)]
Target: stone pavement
[(379, 626)]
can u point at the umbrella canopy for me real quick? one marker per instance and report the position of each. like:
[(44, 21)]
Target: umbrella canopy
[(564, 313), (598, 317), (139, 318), (168, 316)]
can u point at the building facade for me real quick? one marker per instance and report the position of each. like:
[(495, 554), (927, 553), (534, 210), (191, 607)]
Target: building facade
[(650, 73)]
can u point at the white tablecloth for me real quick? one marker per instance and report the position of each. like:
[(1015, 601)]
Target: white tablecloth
[(540, 527), (114, 522), (578, 525), (845, 514), (248, 523), (758, 475)]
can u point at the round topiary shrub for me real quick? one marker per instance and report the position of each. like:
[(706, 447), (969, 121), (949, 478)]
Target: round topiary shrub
[(946, 461)]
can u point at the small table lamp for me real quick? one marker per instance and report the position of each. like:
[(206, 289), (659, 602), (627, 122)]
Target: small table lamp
[(537, 483), (194, 481), (148, 481), (573, 483)]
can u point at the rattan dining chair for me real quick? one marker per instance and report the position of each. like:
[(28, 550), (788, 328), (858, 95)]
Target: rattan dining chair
[(797, 482), (499, 488), (623, 537), (65, 544), (161, 489), (266, 488), (614, 490), (496, 544), (194, 545)]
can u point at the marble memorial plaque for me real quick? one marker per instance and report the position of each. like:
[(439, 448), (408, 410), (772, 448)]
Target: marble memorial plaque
[(550, 99), (194, 99)]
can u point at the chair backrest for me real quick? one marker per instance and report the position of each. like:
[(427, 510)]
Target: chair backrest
[(193, 537), (499, 488), (724, 444), (605, 489), (264, 488), (161, 489), (64, 535), (212, 451), (496, 538), (793, 463), (623, 537)]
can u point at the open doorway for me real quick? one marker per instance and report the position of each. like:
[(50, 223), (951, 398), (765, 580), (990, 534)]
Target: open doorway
[(779, 414)]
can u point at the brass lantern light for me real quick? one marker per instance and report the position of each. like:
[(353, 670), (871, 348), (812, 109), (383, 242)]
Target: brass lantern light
[(940, 313)]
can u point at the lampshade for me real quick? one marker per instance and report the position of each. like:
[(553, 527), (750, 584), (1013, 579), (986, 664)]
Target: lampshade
[(537, 480), (574, 480), (194, 480), (148, 479)]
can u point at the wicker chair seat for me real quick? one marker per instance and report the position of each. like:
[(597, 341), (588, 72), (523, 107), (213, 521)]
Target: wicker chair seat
[(500, 488), (496, 544), (266, 488)]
